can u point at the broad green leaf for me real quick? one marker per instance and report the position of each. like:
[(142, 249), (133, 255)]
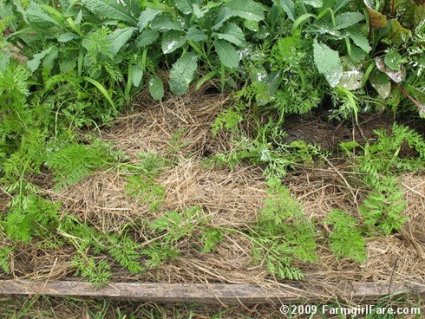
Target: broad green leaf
[(185, 6), (232, 33), (340, 4), (393, 60), (198, 11), (156, 88), (68, 36), (357, 55), (381, 83), (4, 60), (252, 25), (314, 3), (66, 66), (182, 73), (110, 9), (227, 54), (289, 7), (398, 34), (136, 72), (223, 15), (246, 9), (347, 19), (35, 62), (79, 17), (49, 61), (397, 76), (146, 17), (194, 34), (36, 14), (352, 75), (172, 40), (147, 37), (327, 62), (164, 23), (54, 13), (119, 38), (360, 40), (377, 20)]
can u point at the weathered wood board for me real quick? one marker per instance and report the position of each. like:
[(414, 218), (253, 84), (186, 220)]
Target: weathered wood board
[(228, 294)]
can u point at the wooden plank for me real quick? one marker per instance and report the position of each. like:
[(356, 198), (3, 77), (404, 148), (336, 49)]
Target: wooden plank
[(202, 293)]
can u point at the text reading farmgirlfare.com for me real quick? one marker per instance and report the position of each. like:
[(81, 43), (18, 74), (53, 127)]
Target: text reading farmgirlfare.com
[(348, 310)]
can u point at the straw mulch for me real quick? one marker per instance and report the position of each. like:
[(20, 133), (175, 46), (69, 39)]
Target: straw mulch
[(231, 198)]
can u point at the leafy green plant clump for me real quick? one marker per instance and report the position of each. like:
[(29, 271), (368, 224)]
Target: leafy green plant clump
[(346, 238), (283, 234), (379, 163)]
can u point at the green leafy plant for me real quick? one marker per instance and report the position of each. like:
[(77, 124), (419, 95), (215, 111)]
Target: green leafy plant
[(5, 258), (379, 163), (31, 216), (283, 234), (97, 273), (210, 238), (383, 208), (147, 191), (346, 239), (176, 227), (72, 162), (86, 240)]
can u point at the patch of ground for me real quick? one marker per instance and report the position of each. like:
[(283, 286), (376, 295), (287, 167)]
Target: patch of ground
[(396, 258), (181, 128)]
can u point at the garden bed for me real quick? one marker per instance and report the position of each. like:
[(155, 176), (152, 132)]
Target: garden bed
[(231, 198)]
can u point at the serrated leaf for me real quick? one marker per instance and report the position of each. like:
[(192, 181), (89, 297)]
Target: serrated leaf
[(185, 6), (68, 36), (347, 19), (119, 38), (232, 33), (360, 40), (194, 34), (136, 72), (182, 72), (146, 17), (165, 23), (327, 62), (172, 40), (147, 37), (227, 54), (246, 9), (156, 88), (110, 9), (289, 7)]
